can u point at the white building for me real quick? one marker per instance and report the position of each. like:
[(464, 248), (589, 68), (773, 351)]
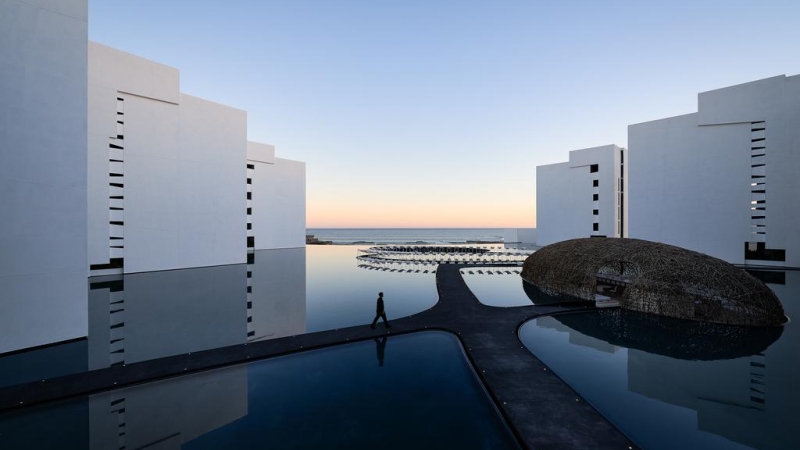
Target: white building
[(583, 197), (149, 179), (173, 181), (43, 269), (724, 180)]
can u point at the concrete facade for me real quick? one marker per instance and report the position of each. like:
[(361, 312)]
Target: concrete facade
[(723, 180), (43, 292), (582, 197), (107, 168), (519, 235), (170, 183), (276, 199)]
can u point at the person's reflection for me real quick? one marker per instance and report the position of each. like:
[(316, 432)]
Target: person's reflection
[(380, 348)]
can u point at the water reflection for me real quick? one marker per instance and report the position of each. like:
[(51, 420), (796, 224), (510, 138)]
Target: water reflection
[(672, 384), (150, 315), (168, 414), (676, 338), (278, 293), (380, 349), (340, 294), (335, 397)]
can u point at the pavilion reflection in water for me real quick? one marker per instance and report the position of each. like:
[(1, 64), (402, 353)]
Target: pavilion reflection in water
[(738, 380)]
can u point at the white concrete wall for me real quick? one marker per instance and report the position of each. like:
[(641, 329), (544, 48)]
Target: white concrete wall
[(184, 168), (690, 175), (43, 248), (519, 235), (679, 198), (278, 200), (564, 196)]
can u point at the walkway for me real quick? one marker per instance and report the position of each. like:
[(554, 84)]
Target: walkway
[(542, 410)]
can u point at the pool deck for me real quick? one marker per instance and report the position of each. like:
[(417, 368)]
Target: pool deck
[(541, 409)]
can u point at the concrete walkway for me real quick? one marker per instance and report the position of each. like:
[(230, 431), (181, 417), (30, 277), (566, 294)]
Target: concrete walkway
[(542, 410)]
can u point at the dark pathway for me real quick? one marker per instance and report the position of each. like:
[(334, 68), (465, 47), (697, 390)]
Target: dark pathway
[(541, 409)]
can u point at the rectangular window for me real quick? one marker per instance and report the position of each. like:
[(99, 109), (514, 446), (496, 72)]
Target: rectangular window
[(595, 212), (595, 227), (595, 197), (762, 253), (594, 168), (595, 183)]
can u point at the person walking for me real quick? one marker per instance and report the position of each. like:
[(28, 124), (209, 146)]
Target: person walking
[(380, 312)]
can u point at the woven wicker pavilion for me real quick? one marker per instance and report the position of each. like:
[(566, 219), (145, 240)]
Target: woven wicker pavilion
[(654, 278)]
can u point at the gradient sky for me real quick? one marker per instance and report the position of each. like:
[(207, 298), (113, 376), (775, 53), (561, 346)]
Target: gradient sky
[(435, 113)]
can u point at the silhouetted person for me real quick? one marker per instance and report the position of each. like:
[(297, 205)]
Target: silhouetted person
[(380, 348), (380, 312)]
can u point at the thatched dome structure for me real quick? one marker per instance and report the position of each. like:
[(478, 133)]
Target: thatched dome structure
[(655, 278)]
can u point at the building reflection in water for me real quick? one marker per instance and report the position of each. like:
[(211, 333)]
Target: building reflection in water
[(740, 381), (169, 413), (137, 317), (152, 315)]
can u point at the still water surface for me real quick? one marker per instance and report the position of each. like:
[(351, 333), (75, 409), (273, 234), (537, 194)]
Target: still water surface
[(413, 391), (143, 316), (675, 384)]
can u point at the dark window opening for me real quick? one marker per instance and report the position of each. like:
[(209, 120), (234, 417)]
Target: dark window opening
[(249, 211), (595, 227), (249, 226), (595, 183), (593, 168), (249, 181), (251, 166), (113, 263), (251, 258), (769, 276), (762, 253), (595, 212), (251, 241), (595, 197), (249, 195)]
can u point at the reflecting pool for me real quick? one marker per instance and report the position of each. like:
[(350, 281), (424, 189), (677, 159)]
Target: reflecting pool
[(496, 286), (668, 383), (142, 316), (340, 294), (411, 391)]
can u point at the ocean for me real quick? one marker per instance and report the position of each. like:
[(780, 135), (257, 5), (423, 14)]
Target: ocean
[(345, 236)]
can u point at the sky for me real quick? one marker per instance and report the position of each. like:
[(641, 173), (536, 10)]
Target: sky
[(435, 113)]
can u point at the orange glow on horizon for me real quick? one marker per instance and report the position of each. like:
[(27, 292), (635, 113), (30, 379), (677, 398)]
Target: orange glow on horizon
[(418, 215)]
